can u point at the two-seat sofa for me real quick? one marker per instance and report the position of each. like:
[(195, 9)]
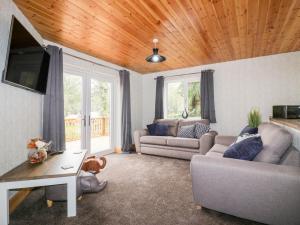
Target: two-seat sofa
[(171, 145), (266, 190)]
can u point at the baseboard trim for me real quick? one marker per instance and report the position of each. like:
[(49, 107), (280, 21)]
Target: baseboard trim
[(118, 150), (18, 198)]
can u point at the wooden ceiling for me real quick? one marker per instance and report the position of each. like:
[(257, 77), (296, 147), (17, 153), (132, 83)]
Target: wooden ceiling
[(190, 32)]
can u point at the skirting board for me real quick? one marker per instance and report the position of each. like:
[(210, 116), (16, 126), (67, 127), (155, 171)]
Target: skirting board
[(18, 198), (118, 150)]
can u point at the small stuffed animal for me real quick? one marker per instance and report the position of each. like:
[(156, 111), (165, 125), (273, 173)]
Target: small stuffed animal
[(93, 164)]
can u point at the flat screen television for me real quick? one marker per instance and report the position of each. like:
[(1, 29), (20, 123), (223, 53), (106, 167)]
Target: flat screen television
[(27, 62)]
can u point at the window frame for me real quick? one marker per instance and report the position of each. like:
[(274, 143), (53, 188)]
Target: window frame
[(185, 81)]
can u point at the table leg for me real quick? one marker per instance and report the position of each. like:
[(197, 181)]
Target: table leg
[(4, 206), (71, 187)]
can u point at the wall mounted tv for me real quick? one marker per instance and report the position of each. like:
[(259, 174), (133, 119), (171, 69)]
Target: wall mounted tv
[(27, 62)]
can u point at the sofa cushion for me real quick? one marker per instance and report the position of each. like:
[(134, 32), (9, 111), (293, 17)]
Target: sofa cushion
[(192, 122), (217, 151), (200, 129), (245, 149), (183, 142), (151, 128), (172, 125), (276, 141), (161, 129), (249, 130), (170, 148), (186, 131), (155, 140)]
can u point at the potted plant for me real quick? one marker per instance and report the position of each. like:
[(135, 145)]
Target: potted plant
[(254, 118)]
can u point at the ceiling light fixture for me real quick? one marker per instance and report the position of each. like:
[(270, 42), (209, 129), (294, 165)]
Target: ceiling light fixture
[(155, 57)]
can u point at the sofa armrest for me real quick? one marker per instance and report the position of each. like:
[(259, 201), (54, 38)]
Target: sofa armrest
[(264, 192), (207, 141), (225, 140), (136, 136)]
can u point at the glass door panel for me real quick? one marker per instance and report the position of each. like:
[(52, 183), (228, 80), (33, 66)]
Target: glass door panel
[(100, 116), (73, 100)]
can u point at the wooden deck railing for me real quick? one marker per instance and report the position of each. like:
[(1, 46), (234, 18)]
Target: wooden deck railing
[(99, 127)]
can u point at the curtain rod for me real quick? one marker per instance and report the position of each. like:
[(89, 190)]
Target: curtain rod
[(87, 60), (185, 74)]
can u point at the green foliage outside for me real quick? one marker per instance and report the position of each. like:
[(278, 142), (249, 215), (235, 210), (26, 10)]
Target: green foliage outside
[(72, 95), (194, 99), (100, 98), (254, 118), (176, 102)]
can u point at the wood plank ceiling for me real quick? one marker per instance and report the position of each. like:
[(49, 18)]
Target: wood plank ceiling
[(190, 32)]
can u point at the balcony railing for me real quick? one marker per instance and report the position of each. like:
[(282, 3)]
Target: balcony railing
[(99, 127)]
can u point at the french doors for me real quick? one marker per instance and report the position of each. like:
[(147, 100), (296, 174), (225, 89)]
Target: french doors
[(89, 107)]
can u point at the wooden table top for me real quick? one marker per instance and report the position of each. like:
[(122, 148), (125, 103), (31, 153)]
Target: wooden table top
[(50, 168), (293, 123)]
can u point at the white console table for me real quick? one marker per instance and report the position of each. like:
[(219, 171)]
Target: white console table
[(47, 173)]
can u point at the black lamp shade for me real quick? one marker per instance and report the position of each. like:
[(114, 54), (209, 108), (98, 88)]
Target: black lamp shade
[(155, 57)]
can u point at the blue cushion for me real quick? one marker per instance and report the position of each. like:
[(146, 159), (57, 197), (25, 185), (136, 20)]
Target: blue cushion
[(246, 149), (157, 129), (151, 128), (161, 129), (249, 130)]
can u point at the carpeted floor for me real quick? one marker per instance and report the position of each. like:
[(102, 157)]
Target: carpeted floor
[(141, 189)]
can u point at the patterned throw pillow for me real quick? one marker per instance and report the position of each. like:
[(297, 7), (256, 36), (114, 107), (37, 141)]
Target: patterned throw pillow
[(201, 129), (186, 131)]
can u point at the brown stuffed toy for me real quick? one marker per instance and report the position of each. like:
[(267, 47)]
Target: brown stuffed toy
[(94, 164)]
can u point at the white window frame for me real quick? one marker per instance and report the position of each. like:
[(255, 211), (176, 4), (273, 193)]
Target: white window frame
[(185, 80)]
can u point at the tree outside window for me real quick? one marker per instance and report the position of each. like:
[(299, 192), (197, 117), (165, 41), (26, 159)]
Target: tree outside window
[(182, 94)]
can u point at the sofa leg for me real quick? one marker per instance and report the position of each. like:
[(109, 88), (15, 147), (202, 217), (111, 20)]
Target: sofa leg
[(139, 153), (49, 203)]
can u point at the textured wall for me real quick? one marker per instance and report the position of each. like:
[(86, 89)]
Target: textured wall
[(20, 110), (240, 85)]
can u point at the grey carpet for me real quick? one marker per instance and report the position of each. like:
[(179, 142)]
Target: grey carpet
[(141, 189)]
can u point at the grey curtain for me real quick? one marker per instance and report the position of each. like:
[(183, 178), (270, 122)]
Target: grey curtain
[(126, 136), (159, 98), (207, 96), (53, 108)]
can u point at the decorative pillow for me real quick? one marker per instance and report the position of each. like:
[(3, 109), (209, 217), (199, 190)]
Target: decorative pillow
[(151, 128), (161, 129), (245, 149), (249, 130), (201, 129), (186, 131)]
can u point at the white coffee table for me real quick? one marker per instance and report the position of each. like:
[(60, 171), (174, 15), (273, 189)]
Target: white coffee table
[(47, 173)]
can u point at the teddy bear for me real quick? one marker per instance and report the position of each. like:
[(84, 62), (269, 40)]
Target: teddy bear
[(94, 164)]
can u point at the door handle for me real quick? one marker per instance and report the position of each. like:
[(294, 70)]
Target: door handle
[(89, 120), (84, 120)]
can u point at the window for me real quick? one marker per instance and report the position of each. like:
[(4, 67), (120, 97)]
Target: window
[(182, 94)]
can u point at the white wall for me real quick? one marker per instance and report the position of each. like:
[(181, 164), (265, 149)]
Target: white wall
[(20, 110), (240, 85), (83, 67)]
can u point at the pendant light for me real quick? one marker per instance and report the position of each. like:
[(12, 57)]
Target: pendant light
[(155, 57)]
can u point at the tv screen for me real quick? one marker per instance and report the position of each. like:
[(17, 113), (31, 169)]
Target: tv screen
[(27, 61)]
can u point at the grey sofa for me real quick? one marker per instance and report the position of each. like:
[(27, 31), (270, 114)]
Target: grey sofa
[(171, 145), (266, 190)]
